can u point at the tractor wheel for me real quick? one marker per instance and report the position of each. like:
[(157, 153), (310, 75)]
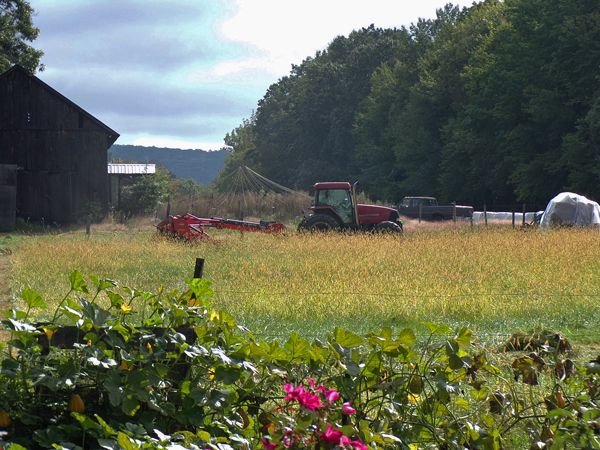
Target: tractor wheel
[(318, 222), (388, 227)]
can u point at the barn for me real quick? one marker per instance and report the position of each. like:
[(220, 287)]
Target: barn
[(53, 154)]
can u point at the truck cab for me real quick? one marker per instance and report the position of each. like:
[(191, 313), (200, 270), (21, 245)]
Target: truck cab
[(415, 202)]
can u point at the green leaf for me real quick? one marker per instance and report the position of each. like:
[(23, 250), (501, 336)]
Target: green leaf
[(78, 284), (201, 290), (108, 430), (32, 298), (203, 435), (116, 300), (407, 337), (557, 412), (438, 329), (347, 338), (227, 375), (14, 446), (125, 443), (22, 326), (465, 335), (86, 422), (297, 347)]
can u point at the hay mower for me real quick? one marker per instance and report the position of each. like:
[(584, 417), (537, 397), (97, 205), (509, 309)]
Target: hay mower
[(190, 227)]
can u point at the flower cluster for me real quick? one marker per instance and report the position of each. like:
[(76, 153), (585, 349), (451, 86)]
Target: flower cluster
[(318, 407)]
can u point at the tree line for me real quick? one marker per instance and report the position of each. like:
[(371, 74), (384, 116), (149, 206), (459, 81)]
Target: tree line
[(496, 103)]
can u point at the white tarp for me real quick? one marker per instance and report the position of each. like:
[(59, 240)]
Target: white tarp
[(571, 209)]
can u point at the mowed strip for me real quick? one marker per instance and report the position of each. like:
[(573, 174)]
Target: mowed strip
[(496, 280)]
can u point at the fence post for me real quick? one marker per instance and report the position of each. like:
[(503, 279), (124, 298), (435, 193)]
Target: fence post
[(513, 218), (454, 212), (485, 214), (524, 209), (199, 268), (420, 211)]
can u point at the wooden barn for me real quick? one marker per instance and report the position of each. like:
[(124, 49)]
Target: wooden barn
[(58, 149)]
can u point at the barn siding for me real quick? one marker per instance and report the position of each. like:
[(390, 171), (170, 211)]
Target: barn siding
[(60, 149)]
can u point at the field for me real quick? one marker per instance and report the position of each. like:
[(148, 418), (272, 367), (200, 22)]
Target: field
[(496, 280)]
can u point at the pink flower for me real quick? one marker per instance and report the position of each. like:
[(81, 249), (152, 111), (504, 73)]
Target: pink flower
[(292, 392), (347, 409), (287, 441), (268, 445), (346, 442), (331, 395), (309, 401), (331, 435)]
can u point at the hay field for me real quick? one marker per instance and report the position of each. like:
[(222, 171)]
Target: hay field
[(496, 280)]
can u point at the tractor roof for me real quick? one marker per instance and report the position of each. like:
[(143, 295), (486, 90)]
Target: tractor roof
[(332, 185)]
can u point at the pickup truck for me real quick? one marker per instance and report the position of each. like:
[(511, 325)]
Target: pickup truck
[(427, 208)]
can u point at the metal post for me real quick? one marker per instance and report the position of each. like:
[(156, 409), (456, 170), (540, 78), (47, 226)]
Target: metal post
[(420, 211), (524, 209), (513, 217)]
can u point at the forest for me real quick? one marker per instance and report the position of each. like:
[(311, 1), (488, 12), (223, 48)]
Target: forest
[(496, 103)]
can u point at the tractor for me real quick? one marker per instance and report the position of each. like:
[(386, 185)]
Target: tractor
[(335, 208)]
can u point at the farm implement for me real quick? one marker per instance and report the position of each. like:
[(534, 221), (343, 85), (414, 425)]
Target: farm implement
[(190, 227)]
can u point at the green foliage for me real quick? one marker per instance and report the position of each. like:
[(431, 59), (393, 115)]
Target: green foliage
[(145, 193), (16, 30), (101, 374), (302, 129)]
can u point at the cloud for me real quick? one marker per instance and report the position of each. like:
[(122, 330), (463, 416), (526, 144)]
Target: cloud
[(146, 35), (191, 70), (286, 32)]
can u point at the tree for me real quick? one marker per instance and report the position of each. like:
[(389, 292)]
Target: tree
[(16, 31), (530, 90), (241, 145), (146, 192), (302, 130)]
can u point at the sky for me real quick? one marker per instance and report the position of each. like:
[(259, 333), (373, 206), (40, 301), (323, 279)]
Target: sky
[(184, 73)]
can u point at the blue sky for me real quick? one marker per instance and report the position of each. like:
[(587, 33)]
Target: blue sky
[(183, 73)]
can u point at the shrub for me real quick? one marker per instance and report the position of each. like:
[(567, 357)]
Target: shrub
[(103, 371)]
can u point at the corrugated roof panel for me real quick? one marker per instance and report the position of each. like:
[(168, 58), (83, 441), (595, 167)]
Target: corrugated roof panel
[(131, 169)]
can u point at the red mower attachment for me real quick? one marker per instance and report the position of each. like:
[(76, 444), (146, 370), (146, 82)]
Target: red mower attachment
[(190, 227)]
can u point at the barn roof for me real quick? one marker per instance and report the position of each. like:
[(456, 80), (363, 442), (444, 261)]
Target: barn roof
[(131, 169), (113, 135)]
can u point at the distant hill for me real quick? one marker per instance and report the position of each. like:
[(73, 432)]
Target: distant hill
[(198, 165)]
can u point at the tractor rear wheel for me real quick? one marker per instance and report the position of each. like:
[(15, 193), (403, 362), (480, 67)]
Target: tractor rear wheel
[(388, 227), (318, 222)]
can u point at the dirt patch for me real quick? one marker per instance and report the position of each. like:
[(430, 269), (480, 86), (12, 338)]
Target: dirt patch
[(5, 297)]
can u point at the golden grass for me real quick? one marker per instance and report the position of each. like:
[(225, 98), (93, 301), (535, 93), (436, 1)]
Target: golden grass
[(495, 279)]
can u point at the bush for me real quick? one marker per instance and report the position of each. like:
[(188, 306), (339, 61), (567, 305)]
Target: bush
[(114, 367)]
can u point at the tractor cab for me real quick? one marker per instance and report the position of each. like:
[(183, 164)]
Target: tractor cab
[(337, 199)]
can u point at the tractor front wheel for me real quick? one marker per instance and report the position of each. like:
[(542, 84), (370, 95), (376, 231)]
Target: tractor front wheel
[(388, 227), (318, 222)]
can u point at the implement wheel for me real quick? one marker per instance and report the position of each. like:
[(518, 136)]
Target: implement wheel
[(318, 222)]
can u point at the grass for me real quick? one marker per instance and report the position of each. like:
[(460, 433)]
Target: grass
[(495, 280)]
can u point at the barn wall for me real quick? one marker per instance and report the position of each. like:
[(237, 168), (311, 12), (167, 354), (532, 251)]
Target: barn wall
[(62, 153), (8, 195)]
